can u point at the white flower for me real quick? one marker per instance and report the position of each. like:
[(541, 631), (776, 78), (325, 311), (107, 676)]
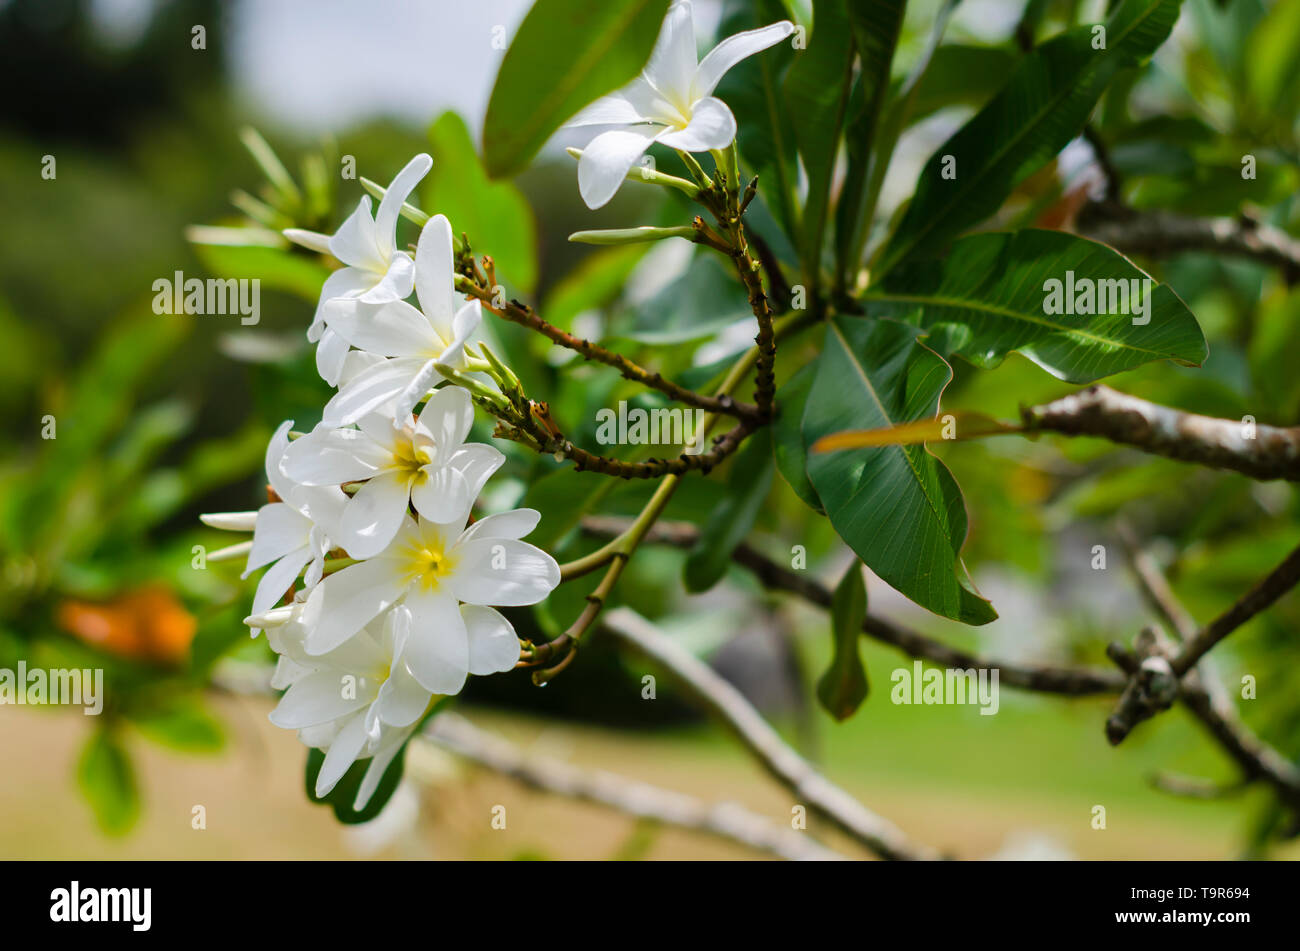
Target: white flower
[(287, 535), (424, 461), (421, 576), (376, 270), (354, 702), (416, 340), (670, 102)]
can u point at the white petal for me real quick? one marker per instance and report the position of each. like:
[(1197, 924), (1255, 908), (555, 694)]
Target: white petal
[(435, 286), (371, 389), (343, 283), (477, 461), (274, 451), (328, 456), (280, 529), (463, 327), (355, 362), (272, 586), (287, 671), (513, 524), (712, 126), (343, 752), (390, 206), (379, 764), (397, 282), (493, 645), (447, 417), (672, 64), (606, 161), (394, 329), (230, 521), (312, 240), (345, 602), (441, 494), (437, 651), (416, 389), (503, 571), (732, 50), (623, 107), (375, 514), (354, 243), (320, 697), (331, 353), (402, 699)]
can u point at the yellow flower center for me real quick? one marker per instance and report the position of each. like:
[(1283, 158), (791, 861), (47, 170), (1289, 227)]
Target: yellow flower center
[(426, 565)]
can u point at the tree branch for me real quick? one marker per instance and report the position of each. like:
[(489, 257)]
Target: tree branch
[(729, 821), (1261, 452), (1160, 233), (774, 576), (788, 767)]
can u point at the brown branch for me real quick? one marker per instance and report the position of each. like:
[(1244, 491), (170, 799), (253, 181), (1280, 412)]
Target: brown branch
[(1278, 582), (1272, 453), (729, 821), (809, 786), (525, 316), (772, 575), (1161, 233)]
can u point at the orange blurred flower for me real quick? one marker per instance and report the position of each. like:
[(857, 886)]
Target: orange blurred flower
[(146, 624)]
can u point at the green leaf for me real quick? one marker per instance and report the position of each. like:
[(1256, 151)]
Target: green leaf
[(817, 95), (960, 75), (748, 483), (567, 54), (1273, 60), (876, 26), (1043, 106), (897, 507), (764, 129), (184, 724), (495, 215), (843, 687), (987, 298), (107, 781), (787, 434)]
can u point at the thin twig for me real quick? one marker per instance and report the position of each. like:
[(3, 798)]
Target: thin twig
[(725, 820), (525, 316), (809, 786)]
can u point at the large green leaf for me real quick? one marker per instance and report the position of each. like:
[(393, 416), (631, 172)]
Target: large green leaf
[(897, 507), (817, 93), (987, 298), (494, 214), (1043, 106), (876, 25), (843, 686), (748, 483), (567, 53), (787, 434)]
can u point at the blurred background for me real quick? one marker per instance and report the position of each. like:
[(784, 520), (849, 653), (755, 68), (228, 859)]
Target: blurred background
[(158, 418)]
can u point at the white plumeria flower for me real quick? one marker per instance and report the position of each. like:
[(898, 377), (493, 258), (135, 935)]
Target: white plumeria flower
[(417, 341), (421, 576), (288, 535), (354, 702), (376, 272), (670, 102), (424, 462)]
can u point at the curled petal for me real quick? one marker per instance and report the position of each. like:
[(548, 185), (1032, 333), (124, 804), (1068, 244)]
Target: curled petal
[(712, 126), (606, 161)]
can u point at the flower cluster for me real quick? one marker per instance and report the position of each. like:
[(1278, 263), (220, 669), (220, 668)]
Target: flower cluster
[(384, 494)]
